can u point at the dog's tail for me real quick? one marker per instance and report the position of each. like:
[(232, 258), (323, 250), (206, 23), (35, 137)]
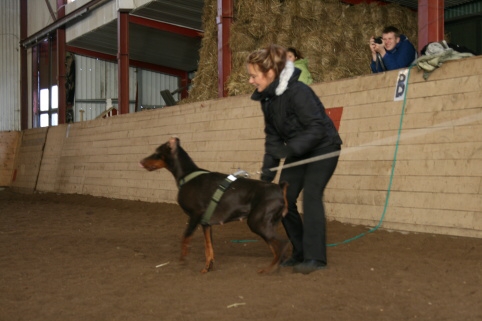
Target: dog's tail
[(284, 190)]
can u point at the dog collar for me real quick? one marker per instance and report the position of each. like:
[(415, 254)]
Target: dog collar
[(188, 177)]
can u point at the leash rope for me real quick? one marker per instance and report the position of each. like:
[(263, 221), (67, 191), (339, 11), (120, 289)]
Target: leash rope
[(373, 229), (306, 161)]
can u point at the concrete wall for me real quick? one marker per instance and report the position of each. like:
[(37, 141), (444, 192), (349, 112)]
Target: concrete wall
[(436, 186)]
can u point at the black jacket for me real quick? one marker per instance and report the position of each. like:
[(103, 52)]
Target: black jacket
[(296, 123)]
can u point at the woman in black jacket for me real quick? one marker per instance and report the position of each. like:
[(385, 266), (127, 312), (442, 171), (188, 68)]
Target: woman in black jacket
[(297, 128)]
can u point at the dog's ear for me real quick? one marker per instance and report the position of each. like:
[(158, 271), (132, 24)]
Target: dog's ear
[(173, 143)]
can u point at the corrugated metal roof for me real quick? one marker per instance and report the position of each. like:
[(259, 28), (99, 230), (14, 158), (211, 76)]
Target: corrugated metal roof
[(152, 45), (185, 13), (465, 10)]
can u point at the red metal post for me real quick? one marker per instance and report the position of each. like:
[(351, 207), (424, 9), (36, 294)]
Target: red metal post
[(61, 69), (123, 61), (184, 83), (430, 21), (224, 21), (23, 68)]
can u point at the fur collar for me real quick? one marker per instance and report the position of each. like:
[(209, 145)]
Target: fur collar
[(284, 77), (280, 84)]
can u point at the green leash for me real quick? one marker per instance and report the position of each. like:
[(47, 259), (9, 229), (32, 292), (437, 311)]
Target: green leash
[(373, 229)]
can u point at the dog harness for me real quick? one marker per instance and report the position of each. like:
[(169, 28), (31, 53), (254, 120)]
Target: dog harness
[(217, 194), (216, 197)]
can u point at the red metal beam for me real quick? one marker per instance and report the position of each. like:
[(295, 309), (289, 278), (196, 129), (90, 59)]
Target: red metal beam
[(430, 21), (161, 69), (91, 53), (165, 27), (134, 63), (224, 21), (61, 79), (123, 61), (23, 67)]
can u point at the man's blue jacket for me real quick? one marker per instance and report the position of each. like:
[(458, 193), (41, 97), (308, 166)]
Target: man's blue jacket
[(401, 56)]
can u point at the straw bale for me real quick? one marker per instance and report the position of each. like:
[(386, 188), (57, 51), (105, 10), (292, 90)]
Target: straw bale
[(238, 80), (204, 85), (332, 36), (309, 9), (240, 39)]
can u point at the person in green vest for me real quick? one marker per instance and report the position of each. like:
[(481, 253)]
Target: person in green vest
[(301, 63)]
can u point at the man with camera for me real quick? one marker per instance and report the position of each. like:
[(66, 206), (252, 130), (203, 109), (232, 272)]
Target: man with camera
[(391, 51)]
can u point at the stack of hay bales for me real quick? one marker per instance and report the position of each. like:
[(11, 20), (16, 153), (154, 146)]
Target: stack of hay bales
[(332, 36)]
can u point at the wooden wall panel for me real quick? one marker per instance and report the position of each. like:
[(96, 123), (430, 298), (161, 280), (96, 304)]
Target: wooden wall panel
[(437, 179), (29, 157), (9, 144)]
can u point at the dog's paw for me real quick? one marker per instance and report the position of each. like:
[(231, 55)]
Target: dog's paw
[(269, 269), (208, 267)]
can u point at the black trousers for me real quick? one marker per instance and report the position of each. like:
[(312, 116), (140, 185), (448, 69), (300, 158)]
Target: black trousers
[(308, 235)]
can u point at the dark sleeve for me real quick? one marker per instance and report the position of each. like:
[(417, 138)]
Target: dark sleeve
[(375, 68), (272, 142), (269, 161)]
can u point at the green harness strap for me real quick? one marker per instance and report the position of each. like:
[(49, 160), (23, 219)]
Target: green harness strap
[(216, 196)]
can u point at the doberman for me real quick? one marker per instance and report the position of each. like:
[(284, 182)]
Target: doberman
[(263, 204)]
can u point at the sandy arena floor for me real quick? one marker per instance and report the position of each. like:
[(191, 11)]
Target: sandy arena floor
[(73, 257)]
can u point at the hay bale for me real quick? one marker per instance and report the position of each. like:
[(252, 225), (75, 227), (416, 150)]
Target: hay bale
[(238, 82), (204, 85), (240, 40), (332, 36)]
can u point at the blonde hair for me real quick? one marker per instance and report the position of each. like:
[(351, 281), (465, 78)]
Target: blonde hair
[(272, 57)]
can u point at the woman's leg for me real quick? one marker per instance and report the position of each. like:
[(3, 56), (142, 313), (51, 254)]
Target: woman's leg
[(316, 177), (292, 221)]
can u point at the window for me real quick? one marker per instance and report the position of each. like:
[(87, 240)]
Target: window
[(46, 107), (49, 107)]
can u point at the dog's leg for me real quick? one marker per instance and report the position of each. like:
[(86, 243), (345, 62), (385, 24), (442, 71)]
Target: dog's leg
[(264, 224), (186, 240), (187, 237), (278, 247), (208, 249)]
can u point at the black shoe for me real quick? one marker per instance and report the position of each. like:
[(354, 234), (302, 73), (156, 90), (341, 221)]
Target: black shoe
[(292, 261), (308, 266)]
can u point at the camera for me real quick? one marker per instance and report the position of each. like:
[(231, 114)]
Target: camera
[(378, 40)]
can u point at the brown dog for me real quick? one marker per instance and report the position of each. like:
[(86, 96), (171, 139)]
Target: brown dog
[(262, 204)]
